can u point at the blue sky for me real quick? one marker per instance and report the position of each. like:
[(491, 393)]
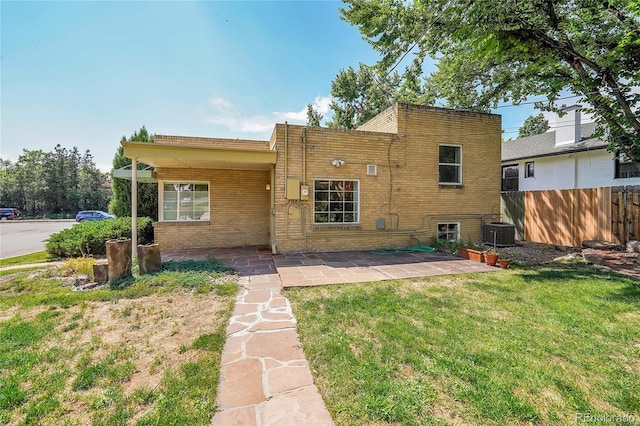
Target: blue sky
[(85, 73)]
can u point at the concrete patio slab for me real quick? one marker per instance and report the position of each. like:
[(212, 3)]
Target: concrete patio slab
[(310, 269)]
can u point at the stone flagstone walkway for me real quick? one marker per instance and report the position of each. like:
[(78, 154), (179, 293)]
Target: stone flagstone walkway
[(265, 378)]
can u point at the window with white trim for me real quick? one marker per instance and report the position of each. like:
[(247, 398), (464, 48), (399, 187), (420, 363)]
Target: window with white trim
[(529, 169), (450, 164), (182, 201), (449, 231), (625, 167), (336, 201)]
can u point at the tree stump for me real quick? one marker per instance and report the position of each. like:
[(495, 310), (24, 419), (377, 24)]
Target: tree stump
[(101, 271), (119, 259), (149, 258)]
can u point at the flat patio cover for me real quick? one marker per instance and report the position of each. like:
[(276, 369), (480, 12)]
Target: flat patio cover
[(191, 157), (177, 156)]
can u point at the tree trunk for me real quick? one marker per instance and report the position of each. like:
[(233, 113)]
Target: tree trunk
[(119, 258), (149, 258)]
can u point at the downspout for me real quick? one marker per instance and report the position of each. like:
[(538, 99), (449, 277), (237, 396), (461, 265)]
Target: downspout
[(286, 151), (134, 207), (303, 214), (272, 209), (304, 156)]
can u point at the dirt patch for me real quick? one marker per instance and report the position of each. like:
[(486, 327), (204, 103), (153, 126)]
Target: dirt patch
[(157, 329), (528, 253)]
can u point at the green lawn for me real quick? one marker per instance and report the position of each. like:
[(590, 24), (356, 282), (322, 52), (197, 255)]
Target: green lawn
[(38, 257), (519, 346), (145, 352)]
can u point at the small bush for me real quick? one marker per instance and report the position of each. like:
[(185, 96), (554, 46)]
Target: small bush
[(445, 246), (90, 238)]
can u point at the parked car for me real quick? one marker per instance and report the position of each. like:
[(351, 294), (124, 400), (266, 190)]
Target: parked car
[(9, 213), (93, 215)]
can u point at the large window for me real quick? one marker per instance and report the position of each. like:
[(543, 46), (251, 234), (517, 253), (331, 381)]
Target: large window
[(449, 231), (185, 201), (450, 164), (335, 201), (510, 175)]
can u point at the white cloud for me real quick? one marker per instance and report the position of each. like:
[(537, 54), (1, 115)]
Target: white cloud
[(221, 104), (321, 104), (228, 115)]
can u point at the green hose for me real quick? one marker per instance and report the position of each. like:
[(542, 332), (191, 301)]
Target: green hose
[(419, 248)]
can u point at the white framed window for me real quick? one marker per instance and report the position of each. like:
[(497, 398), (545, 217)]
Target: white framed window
[(183, 201), (450, 164), (529, 169), (336, 201), (449, 231), (625, 167)]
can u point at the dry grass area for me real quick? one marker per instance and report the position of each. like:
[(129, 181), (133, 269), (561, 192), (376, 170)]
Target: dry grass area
[(145, 354)]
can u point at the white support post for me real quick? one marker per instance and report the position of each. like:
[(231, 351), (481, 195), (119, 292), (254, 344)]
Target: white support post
[(134, 207)]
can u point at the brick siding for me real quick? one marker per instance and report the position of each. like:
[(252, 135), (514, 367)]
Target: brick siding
[(239, 210), (405, 192), (402, 142)]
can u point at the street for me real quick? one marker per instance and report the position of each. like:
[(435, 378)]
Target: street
[(27, 236)]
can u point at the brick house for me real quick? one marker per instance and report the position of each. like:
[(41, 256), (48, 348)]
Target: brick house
[(411, 171)]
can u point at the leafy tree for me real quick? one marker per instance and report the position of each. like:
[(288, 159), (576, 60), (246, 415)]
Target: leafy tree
[(314, 117), (147, 192), (358, 95), (533, 125), (508, 50)]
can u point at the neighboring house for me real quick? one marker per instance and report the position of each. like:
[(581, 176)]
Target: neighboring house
[(411, 171), (564, 158)]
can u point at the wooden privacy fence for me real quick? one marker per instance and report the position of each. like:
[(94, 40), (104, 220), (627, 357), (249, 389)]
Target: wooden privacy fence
[(625, 213), (569, 216)]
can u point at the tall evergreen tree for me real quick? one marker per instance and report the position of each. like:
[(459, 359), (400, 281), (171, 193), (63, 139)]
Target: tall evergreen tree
[(147, 192)]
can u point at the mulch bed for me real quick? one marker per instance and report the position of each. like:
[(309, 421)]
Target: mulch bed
[(619, 261), (616, 259)]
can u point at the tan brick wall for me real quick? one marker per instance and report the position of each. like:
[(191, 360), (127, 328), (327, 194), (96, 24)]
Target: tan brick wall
[(239, 210), (386, 121), (405, 192)]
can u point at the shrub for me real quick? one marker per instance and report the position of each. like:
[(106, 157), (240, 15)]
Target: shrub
[(90, 238), (444, 245)]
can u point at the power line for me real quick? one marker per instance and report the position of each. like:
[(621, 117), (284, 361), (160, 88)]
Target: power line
[(425, 31), (536, 102)]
